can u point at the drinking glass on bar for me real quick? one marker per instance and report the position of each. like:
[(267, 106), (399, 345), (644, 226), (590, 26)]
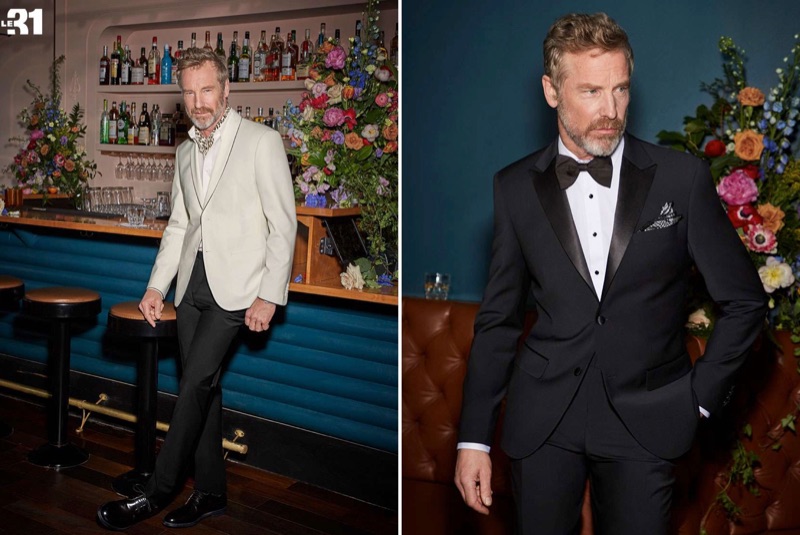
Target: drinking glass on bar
[(437, 285)]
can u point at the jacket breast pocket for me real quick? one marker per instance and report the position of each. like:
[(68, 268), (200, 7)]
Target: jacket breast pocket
[(668, 372), (532, 362)]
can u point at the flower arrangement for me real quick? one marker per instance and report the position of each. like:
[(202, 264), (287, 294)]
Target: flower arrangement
[(51, 157), (747, 137), (345, 135)]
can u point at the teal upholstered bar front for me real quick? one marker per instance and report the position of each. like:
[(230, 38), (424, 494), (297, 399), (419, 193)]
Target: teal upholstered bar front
[(328, 365)]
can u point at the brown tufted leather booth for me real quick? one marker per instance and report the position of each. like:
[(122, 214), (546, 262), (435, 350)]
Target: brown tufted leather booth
[(436, 339)]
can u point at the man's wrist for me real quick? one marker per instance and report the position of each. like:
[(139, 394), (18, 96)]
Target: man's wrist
[(157, 290)]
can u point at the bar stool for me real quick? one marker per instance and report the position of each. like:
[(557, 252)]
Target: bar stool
[(126, 319), (11, 291), (60, 305)]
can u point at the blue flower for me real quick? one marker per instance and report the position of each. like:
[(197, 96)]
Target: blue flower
[(766, 107), (777, 107), (762, 124), (385, 279), (781, 125)]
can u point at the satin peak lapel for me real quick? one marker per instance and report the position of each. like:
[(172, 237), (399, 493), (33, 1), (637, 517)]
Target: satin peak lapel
[(556, 207), (634, 185), (230, 131)]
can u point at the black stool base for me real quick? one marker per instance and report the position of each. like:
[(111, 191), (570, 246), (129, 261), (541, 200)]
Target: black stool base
[(130, 484), (5, 430), (58, 457)]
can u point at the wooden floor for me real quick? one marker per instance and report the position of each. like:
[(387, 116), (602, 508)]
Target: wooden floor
[(39, 501)]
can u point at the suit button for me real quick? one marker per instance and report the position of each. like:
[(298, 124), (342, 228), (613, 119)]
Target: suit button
[(601, 320), (577, 371)]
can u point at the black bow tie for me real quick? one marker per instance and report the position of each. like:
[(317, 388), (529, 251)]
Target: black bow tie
[(567, 170)]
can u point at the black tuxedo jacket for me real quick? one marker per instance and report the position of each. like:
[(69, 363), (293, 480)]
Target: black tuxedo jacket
[(635, 332)]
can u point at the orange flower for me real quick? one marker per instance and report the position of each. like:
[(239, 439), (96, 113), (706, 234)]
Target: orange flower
[(390, 131), (748, 145), (44, 150), (773, 217), (329, 80), (348, 92), (74, 129), (313, 74), (316, 132), (326, 47), (56, 173), (34, 120), (304, 159), (353, 141), (390, 147), (751, 96), (69, 165)]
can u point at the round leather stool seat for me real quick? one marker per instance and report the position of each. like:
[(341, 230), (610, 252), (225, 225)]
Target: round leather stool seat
[(61, 303), (11, 290), (126, 318)]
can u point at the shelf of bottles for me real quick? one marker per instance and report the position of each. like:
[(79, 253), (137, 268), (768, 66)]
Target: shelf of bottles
[(173, 89)]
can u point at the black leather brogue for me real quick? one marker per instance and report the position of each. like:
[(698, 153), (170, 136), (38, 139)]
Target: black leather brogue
[(200, 505), (122, 514)]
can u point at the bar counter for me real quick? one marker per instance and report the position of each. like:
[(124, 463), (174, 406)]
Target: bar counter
[(320, 274)]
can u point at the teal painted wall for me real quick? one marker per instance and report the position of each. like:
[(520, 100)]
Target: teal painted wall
[(326, 365), (472, 102)]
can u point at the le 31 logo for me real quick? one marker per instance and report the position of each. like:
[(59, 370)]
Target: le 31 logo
[(17, 21)]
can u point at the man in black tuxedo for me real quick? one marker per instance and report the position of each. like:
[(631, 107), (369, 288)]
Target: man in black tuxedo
[(601, 231)]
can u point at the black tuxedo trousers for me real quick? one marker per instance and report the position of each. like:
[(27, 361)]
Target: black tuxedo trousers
[(631, 489), (205, 332)]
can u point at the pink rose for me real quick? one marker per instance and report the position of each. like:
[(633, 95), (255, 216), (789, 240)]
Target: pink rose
[(333, 117), (59, 160), (382, 100), (335, 58), (383, 73), (37, 134), (761, 240), (737, 188)]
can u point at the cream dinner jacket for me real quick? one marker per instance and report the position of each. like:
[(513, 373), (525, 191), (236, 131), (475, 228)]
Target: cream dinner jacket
[(247, 220)]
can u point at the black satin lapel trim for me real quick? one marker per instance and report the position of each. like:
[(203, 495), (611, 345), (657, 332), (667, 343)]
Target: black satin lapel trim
[(634, 186), (556, 207)]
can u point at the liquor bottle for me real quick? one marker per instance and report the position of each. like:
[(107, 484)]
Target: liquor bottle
[(275, 53), (220, 50), (289, 59), (144, 126), (259, 118), (181, 126), (177, 56), (381, 55), (115, 60), (126, 68), (207, 46), (104, 122), (193, 41), (247, 113), (394, 48), (239, 110), (321, 36), (133, 126), (358, 31), (166, 135), (105, 67), (304, 56), (145, 66), (233, 59), (336, 36), (166, 67), (113, 117), (122, 125), (154, 64), (155, 124), (244, 59), (270, 119), (260, 58), (278, 124)]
